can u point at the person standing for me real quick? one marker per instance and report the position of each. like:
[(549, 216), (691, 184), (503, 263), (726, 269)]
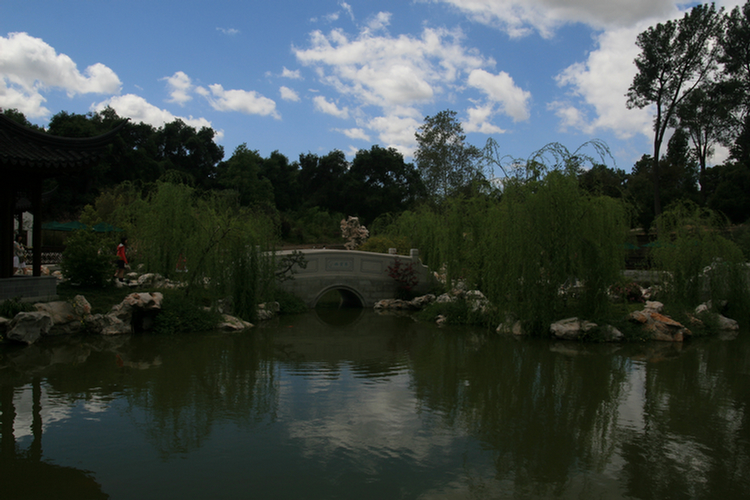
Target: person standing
[(19, 255), (122, 259)]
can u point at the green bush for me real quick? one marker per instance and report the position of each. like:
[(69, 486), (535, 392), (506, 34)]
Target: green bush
[(9, 308), (381, 244), (181, 315), (289, 303), (87, 259)]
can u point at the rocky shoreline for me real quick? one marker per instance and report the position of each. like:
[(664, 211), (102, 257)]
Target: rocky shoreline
[(655, 324)]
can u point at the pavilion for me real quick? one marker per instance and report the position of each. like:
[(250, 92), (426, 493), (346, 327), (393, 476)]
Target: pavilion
[(27, 157)]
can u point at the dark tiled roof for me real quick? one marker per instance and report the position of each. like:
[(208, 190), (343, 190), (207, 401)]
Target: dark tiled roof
[(32, 152)]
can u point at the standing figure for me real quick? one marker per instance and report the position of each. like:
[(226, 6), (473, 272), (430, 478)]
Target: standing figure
[(19, 256), (122, 259)]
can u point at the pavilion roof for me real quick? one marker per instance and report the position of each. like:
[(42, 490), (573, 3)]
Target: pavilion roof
[(31, 152)]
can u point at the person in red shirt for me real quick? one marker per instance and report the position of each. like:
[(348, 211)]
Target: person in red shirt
[(122, 259)]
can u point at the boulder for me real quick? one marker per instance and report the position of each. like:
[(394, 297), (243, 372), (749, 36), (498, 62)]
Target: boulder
[(661, 327), (28, 327), (267, 310), (233, 324), (67, 317), (511, 327), (571, 328), (132, 314)]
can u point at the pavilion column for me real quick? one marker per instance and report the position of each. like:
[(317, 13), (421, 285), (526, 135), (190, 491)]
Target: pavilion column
[(8, 201)]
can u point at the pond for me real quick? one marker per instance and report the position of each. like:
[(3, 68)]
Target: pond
[(351, 404)]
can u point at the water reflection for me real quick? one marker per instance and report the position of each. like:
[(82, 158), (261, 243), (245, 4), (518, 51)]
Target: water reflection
[(409, 410)]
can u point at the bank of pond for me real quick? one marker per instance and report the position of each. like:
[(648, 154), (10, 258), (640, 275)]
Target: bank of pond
[(152, 304)]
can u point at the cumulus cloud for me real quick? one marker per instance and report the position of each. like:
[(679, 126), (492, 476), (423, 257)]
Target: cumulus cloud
[(29, 67), (597, 87), (397, 132), (294, 75), (480, 120), (179, 86), (244, 101), (356, 133), (501, 89), (329, 108), (523, 17), (288, 94), (139, 110), (396, 74)]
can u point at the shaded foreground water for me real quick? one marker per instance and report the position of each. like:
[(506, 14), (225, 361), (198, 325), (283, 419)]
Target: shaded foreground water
[(355, 405)]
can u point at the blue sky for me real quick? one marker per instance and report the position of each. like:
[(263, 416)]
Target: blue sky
[(314, 76)]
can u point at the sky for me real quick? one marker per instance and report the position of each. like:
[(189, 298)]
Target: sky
[(302, 76)]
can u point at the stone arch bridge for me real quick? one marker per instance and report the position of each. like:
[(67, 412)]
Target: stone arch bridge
[(361, 278)]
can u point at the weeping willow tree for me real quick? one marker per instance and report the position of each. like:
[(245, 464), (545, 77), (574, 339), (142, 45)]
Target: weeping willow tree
[(216, 248), (540, 248), (552, 250), (697, 263)]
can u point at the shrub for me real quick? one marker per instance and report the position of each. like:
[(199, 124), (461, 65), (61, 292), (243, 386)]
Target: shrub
[(87, 260), (181, 315), (381, 244), (9, 308)]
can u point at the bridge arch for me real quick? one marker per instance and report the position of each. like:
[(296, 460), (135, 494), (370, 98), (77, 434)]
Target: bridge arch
[(350, 297)]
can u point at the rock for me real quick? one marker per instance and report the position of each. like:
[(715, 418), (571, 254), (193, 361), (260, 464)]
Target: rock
[(727, 324), (571, 328), (132, 314), (654, 306), (611, 334), (267, 310), (660, 326), (511, 327), (28, 327), (423, 301), (441, 320), (233, 324), (67, 317), (445, 298), (477, 301)]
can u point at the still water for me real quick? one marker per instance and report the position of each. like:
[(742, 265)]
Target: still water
[(339, 405)]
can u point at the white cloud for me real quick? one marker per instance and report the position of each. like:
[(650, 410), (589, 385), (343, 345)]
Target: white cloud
[(522, 17), (139, 110), (501, 89), (29, 67), (179, 86), (356, 133), (396, 74), (288, 94), (598, 87), (329, 108), (294, 75), (229, 31), (244, 101), (479, 120), (397, 132), (389, 71)]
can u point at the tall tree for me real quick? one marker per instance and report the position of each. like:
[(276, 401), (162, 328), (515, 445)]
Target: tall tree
[(323, 178), (379, 182), (241, 173), (284, 177), (735, 58), (446, 163), (676, 58)]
